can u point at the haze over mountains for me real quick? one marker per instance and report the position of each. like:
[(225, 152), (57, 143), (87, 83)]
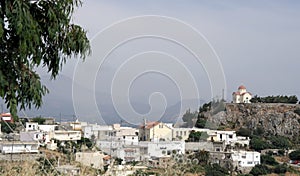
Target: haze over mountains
[(59, 104)]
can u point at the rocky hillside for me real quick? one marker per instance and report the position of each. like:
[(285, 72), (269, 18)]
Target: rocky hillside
[(275, 119)]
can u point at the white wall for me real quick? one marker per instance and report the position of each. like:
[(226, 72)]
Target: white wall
[(246, 158)]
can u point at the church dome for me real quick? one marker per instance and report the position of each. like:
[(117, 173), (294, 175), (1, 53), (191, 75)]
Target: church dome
[(242, 87)]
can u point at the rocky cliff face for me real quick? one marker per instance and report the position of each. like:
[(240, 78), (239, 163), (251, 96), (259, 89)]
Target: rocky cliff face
[(276, 119)]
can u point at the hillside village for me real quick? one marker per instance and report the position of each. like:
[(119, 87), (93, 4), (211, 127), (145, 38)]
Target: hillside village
[(153, 148)]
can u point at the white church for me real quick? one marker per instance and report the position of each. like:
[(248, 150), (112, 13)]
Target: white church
[(241, 96)]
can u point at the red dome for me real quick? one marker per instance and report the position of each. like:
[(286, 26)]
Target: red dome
[(242, 87)]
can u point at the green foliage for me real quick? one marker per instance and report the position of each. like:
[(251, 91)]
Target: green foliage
[(259, 131), (215, 170), (205, 107), (259, 144), (275, 99), (281, 168), (189, 116), (200, 123), (295, 155), (40, 120), (202, 156), (268, 160), (260, 170), (35, 34), (297, 111), (7, 127), (47, 166), (118, 161), (280, 142), (196, 136), (85, 141), (243, 132)]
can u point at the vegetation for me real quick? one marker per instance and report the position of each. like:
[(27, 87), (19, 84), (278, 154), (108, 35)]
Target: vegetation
[(189, 116), (281, 169), (7, 127), (258, 144), (275, 99), (297, 111), (260, 170), (40, 120), (197, 136), (243, 132), (268, 160), (35, 34), (295, 155), (215, 170)]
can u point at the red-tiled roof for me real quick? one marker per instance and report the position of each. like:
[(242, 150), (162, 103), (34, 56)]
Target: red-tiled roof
[(150, 125), (242, 87)]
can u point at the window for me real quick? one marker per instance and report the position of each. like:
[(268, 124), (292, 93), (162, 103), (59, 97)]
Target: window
[(249, 162), (29, 126), (230, 136), (244, 156), (185, 133), (218, 149)]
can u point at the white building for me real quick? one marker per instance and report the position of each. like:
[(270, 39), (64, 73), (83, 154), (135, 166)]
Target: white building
[(163, 148), (245, 158), (31, 126), (241, 96), (183, 133), (68, 135), (18, 147), (155, 131)]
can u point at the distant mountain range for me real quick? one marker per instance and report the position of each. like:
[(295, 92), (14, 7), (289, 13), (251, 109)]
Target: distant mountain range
[(59, 104)]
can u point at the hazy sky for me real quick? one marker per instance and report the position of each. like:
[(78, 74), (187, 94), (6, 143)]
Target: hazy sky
[(257, 42)]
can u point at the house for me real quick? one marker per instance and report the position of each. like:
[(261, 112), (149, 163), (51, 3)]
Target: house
[(30, 136), (245, 158), (155, 131), (241, 96), (91, 159), (68, 135), (163, 148), (31, 126), (183, 133), (129, 153), (7, 117), (18, 147)]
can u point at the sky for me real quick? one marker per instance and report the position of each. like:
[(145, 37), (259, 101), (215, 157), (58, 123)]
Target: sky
[(257, 41), (254, 43)]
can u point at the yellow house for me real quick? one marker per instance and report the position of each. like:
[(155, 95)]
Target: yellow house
[(155, 131)]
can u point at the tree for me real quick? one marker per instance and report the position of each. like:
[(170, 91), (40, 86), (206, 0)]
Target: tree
[(39, 120), (7, 127), (268, 160), (34, 34), (243, 132), (215, 170), (189, 117), (196, 136), (295, 155), (260, 170), (258, 144)]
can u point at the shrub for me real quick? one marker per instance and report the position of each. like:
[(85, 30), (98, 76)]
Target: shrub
[(295, 155), (269, 160), (243, 132), (260, 170), (281, 169)]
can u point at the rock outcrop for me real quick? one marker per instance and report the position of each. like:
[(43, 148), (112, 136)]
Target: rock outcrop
[(275, 119)]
